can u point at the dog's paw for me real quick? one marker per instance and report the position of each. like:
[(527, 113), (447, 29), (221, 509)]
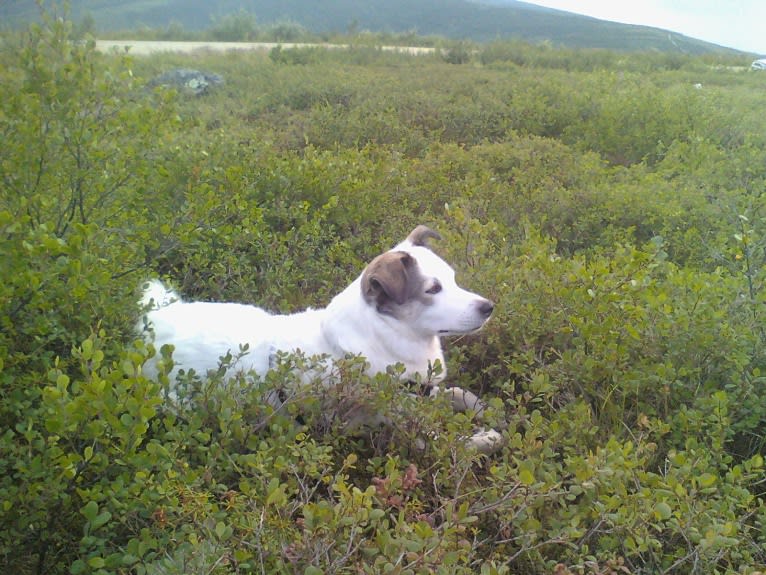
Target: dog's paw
[(462, 399), (486, 441)]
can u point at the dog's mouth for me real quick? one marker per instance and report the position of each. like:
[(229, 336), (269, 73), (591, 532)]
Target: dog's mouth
[(460, 331)]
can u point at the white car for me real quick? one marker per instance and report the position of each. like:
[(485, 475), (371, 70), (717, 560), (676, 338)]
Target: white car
[(759, 64)]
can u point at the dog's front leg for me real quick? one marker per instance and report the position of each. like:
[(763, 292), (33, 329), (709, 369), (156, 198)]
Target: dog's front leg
[(462, 400), (486, 441), (483, 440)]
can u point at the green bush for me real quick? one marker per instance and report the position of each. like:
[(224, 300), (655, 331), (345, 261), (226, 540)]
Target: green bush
[(610, 209)]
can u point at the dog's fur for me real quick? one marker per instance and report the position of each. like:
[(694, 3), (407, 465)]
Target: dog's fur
[(393, 313)]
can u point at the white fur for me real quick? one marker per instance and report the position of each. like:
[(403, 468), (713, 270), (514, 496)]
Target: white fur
[(405, 333), (203, 332)]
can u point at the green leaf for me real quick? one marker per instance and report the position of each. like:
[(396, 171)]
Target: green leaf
[(100, 520), (707, 480), (128, 368), (662, 511), (87, 349), (90, 510), (220, 529), (128, 559), (526, 477), (276, 494)]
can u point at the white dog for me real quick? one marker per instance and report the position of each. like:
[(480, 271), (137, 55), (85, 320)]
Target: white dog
[(393, 313)]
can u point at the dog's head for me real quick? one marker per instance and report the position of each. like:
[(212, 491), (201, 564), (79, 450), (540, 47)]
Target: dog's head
[(416, 287)]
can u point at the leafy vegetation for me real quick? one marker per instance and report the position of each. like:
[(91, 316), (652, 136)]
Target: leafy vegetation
[(612, 206)]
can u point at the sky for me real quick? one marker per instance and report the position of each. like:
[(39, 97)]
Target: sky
[(739, 24)]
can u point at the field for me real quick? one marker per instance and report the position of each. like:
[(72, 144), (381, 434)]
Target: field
[(611, 204)]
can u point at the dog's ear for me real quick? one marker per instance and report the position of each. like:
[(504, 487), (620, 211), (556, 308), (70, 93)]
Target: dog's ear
[(421, 234), (388, 280)]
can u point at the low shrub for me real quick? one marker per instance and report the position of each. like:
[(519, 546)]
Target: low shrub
[(623, 364)]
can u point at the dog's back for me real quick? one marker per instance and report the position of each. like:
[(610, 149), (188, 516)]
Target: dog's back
[(204, 332)]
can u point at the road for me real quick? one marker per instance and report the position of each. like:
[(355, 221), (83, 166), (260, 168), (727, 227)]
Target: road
[(147, 47)]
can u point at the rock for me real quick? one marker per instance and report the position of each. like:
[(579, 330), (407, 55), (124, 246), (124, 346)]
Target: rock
[(187, 80)]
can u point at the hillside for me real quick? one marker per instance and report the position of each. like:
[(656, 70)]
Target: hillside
[(456, 19)]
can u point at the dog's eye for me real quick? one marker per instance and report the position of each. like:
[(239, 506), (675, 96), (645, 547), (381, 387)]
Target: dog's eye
[(434, 289)]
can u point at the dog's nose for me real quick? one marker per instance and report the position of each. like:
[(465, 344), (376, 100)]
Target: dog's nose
[(486, 307)]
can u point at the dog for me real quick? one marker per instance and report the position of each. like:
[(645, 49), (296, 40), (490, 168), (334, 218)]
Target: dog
[(395, 312)]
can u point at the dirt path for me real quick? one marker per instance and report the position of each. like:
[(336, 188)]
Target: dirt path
[(147, 47)]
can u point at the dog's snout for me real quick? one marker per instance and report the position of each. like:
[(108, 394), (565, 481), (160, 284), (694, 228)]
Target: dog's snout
[(486, 307)]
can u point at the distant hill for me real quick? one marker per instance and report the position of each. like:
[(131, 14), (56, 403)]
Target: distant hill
[(478, 20)]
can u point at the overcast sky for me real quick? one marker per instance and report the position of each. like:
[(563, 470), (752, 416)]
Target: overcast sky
[(739, 24)]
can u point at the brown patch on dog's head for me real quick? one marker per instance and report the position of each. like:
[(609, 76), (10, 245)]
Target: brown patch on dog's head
[(421, 234), (390, 280)]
